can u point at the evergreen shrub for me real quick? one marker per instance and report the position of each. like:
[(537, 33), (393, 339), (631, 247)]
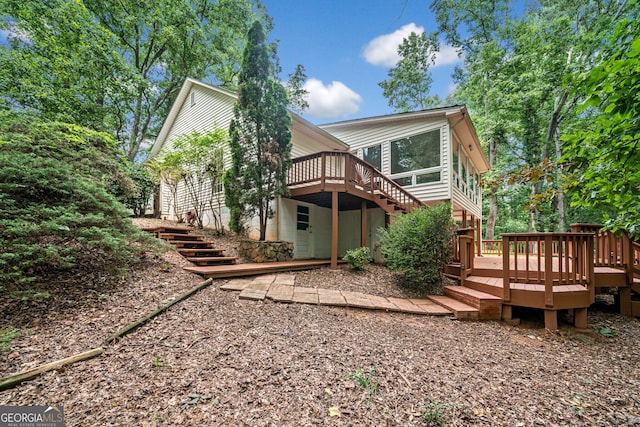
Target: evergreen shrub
[(55, 203)]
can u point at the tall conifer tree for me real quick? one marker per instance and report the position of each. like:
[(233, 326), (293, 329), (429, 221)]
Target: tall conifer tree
[(260, 137)]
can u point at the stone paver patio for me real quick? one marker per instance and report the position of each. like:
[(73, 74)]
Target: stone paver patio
[(281, 288)]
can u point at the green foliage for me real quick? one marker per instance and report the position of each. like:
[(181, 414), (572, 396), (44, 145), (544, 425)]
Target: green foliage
[(433, 415), (409, 82), (7, 335), (419, 243), (260, 136), (54, 205), (358, 258), (364, 380), (604, 156), (116, 65), (605, 332), (145, 186), (196, 160)]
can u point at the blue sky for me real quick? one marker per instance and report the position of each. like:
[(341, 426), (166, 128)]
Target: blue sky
[(347, 48)]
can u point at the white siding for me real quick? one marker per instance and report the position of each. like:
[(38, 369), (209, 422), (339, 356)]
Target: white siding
[(204, 108), (359, 137)]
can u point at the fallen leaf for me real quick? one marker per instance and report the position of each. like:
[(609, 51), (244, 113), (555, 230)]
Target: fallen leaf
[(328, 391), (334, 412)]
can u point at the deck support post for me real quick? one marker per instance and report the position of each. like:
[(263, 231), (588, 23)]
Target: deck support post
[(624, 299), (334, 230), (363, 223), (551, 320), (580, 318), (507, 312)]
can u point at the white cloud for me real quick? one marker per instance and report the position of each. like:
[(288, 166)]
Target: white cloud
[(330, 101), (448, 55), (383, 50)]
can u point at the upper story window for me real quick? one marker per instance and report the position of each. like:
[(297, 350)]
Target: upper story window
[(415, 153), (417, 159), (373, 156)]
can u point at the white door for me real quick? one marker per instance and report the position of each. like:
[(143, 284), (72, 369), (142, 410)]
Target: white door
[(303, 231)]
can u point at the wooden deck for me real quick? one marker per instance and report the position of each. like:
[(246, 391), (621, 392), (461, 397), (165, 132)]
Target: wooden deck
[(552, 271), (253, 269)]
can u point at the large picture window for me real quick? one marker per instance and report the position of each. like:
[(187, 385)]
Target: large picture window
[(416, 152), (373, 156)]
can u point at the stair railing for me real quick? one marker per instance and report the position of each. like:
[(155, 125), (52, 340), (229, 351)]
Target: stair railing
[(344, 169)]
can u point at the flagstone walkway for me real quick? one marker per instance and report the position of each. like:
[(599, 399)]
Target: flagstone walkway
[(281, 288)]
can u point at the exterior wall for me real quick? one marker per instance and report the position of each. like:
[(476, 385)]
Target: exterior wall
[(359, 137), (207, 109), (350, 220)]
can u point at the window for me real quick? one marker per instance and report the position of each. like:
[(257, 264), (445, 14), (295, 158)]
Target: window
[(416, 152), (302, 218), (373, 156), (193, 99)]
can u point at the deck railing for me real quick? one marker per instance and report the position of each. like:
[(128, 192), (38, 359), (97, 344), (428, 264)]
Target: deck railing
[(549, 259), (343, 170), (492, 247)]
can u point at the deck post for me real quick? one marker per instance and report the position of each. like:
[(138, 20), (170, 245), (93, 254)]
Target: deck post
[(551, 320), (334, 230), (580, 318), (506, 285), (548, 273), (363, 223), (479, 236)]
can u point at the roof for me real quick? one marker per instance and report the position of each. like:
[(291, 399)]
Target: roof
[(455, 114), (297, 122)]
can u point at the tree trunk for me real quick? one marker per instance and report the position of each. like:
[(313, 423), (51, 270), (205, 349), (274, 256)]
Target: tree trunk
[(490, 226)]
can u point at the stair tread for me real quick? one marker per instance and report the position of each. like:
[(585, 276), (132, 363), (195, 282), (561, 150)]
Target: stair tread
[(473, 292), (453, 304), (211, 258)]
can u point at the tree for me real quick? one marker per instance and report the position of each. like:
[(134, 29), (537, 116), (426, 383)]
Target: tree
[(260, 136), (604, 157), (117, 65), (409, 82), (296, 90), (513, 82), (55, 207), (197, 159)]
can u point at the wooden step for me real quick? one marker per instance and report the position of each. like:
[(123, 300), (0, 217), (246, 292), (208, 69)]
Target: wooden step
[(212, 260), (191, 244), (488, 285), (460, 310), (252, 269), (178, 236), (608, 277), (168, 229), (187, 252), (490, 306)]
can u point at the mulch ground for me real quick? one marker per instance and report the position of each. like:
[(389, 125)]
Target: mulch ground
[(217, 360)]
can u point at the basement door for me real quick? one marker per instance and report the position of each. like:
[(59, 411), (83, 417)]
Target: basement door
[(304, 238)]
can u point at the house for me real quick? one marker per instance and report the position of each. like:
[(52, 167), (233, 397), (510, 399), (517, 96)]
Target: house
[(347, 178)]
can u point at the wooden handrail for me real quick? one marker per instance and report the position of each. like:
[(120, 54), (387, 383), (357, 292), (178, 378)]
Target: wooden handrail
[(492, 247), (549, 259), (344, 169)]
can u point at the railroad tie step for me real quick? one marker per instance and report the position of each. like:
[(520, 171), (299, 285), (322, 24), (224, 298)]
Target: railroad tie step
[(459, 309), (212, 260)]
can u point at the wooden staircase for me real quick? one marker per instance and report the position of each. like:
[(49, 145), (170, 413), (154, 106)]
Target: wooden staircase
[(192, 246)]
